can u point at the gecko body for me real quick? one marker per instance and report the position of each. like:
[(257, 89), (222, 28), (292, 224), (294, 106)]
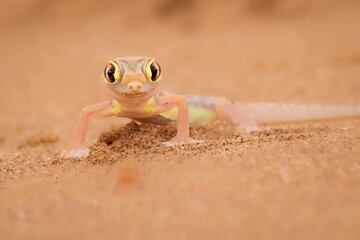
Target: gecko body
[(136, 94)]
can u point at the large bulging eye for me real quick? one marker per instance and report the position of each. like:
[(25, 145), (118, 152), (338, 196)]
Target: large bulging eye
[(112, 73), (152, 70)]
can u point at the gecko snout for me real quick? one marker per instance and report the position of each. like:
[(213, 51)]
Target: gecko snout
[(135, 86)]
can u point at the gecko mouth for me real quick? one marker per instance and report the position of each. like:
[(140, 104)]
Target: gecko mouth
[(134, 94)]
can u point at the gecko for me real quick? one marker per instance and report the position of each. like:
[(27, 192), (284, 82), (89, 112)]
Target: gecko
[(134, 84)]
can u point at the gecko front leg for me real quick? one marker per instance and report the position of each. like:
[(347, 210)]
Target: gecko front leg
[(168, 101), (99, 109)]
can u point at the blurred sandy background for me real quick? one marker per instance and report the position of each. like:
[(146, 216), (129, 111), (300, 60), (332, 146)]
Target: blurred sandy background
[(290, 182)]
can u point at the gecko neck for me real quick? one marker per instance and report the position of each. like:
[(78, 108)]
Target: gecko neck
[(133, 102)]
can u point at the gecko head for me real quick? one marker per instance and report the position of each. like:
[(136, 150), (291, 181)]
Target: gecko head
[(133, 76)]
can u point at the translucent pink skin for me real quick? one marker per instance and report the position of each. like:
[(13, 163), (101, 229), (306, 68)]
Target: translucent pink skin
[(250, 114), (135, 90), (100, 109), (163, 103), (245, 115)]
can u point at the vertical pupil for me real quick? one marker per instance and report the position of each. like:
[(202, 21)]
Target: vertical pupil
[(154, 71), (110, 73)]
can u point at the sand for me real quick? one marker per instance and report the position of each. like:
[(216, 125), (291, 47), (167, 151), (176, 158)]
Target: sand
[(287, 181)]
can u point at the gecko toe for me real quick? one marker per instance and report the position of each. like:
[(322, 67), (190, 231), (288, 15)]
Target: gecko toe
[(180, 141), (249, 129), (78, 153)]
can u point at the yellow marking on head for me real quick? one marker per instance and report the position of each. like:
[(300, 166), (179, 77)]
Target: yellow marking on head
[(149, 105), (115, 107)]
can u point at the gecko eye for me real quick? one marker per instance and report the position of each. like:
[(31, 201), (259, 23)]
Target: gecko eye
[(112, 73), (152, 70)]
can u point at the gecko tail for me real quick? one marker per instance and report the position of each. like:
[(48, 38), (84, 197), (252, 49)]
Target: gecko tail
[(282, 113)]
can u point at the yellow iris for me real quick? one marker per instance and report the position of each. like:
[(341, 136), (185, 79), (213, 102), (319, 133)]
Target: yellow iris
[(117, 73), (152, 70)]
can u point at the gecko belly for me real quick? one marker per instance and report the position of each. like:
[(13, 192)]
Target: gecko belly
[(201, 110), (196, 115)]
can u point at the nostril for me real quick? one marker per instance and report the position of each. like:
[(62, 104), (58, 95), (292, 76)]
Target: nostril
[(134, 86)]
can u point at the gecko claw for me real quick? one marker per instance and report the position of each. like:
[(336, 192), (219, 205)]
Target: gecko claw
[(248, 129), (78, 153), (181, 141)]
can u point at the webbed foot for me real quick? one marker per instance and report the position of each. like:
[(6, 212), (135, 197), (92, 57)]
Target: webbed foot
[(78, 153), (181, 141), (248, 129)]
